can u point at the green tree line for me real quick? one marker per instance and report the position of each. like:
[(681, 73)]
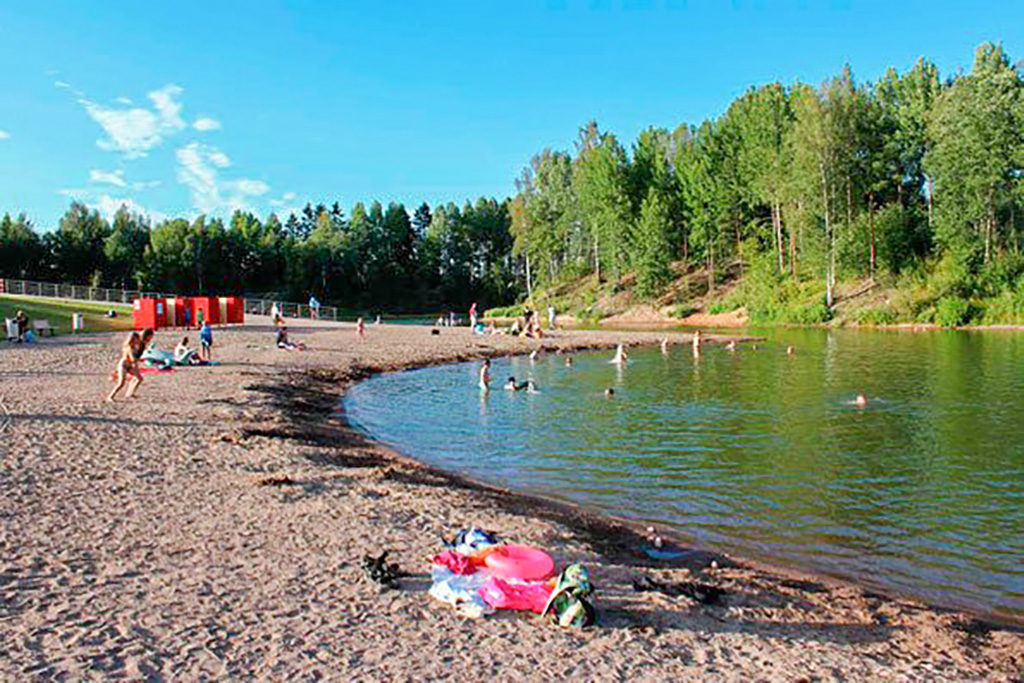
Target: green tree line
[(797, 187), (378, 257)]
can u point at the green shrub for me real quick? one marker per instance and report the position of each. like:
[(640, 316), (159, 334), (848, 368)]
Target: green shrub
[(951, 311), (682, 310), (875, 316), (513, 311), (809, 314), (718, 307)]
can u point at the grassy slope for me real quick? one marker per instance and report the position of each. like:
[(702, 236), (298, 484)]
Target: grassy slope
[(858, 302), (58, 312)]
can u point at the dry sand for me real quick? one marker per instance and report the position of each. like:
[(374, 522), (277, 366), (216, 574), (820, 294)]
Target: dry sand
[(214, 526)]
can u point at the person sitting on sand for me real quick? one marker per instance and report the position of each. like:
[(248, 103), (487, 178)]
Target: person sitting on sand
[(620, 355), (182, 353), (128, 364), (283, 342)]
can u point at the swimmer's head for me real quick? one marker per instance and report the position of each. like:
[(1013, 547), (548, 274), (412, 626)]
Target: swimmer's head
[(861, 400), (609, 392)]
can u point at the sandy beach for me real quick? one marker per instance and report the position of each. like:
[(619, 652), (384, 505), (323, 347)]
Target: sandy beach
[(214, 527)]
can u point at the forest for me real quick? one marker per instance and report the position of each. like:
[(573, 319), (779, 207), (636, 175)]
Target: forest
[(912, 184), (378, 258)]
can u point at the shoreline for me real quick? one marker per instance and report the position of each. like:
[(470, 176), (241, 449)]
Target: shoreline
[(214, 527), (627, 536)]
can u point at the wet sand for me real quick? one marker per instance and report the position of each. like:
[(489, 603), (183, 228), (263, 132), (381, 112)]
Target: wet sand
[(214, 527)]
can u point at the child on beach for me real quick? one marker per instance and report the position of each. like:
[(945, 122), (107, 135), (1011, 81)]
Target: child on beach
[(206, 342), (360, 327), (128, 364)]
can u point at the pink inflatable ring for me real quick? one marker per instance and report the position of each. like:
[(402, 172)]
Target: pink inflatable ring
[(520, 562)]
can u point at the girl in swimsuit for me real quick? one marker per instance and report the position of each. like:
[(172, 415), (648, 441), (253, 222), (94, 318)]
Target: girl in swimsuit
[(128, 364)]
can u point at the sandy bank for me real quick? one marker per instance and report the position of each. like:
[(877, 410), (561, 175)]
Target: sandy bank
[(214, 527)]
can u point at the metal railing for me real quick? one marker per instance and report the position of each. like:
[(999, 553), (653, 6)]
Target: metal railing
[(127, 296)]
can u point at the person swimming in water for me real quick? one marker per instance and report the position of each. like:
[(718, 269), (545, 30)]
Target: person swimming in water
[(664, 346), (861, 401), (485, 375), (609, 392), (696, 344), (534, 355), (568, 361), (731, 346), (620, 355), (789, 350)]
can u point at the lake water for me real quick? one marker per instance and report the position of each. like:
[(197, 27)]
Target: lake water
[(761, 454)]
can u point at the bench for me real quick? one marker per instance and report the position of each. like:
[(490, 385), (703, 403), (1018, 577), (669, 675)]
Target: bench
[(43, 326)]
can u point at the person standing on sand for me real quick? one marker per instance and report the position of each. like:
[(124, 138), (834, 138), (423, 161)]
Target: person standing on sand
[(360, 327), (472, 316), (551, 317), (128, 364), (206, 342), (22, 321)]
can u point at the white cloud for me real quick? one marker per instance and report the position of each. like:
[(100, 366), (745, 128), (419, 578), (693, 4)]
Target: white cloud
[(108, 206), (61, 84), (288, 196), (245, 186), (205, 124), (74, 193), (198, 170), (4, 135), (136, 131), (219, 159), (117, 178), (124, 100), (111, 177)]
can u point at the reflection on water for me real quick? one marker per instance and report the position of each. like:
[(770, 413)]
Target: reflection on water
[(760, 453)]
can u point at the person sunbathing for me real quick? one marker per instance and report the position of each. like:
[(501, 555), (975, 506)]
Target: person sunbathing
[(183, 355), (283, 342)]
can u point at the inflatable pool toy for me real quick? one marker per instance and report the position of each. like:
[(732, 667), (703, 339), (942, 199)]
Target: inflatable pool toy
[(520, 562)]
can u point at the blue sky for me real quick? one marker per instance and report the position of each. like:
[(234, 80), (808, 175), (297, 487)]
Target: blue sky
[(188, 107)]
